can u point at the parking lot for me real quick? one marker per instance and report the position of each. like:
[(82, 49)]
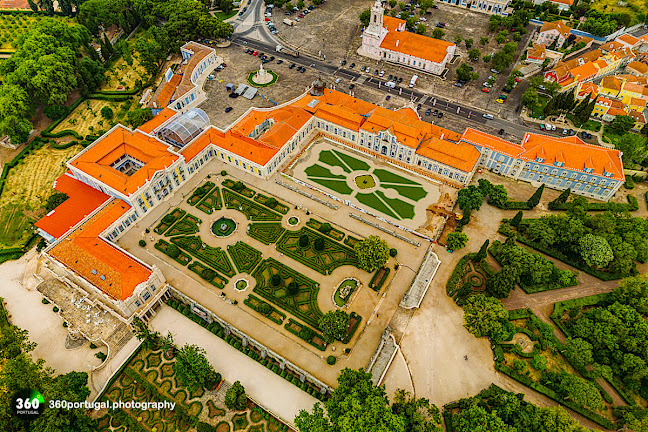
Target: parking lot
[(312, 35)]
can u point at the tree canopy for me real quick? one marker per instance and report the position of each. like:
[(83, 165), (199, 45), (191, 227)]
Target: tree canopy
[(192, 368), (334, 325), (372, 252), (357, 405), (485, 316)]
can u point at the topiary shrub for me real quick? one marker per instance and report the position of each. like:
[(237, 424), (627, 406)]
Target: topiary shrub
[(306, 333), (107, 112), (45, 301), (147, 230), (168, 219), (275, 280), (65, 324), (238, 186), (325, 228), (271, 202), (331, 360), (392, 252), (55, 309), (303, 240), (142, 243), (223, 173), (293, 289), (319, 244), (265, 308), (173, 251), (208, 274), (93, 346)]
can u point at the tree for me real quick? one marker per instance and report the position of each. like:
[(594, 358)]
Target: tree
[(437, 33), (534, 200), (539, 362), (235, 397), (289, 6), (107, 112), (372, 252), (474, 54), (334, 325), (501, 60), (55, 200), (622, 124), (483, 252), (633, 147), (192, 368), (530, 97), (139, 116), (420, 28), (469, 42), (319, 244), (573, 387), (144, 334), (456, 240), (579, 352), (304, 240), (55, 112), (356, 405), (595, 251), (300, 4), (485, 316), (498, 196), (483, 40), (470, 198), (365, 16), (392, 3), (419, 415), (517, 219), (464, 72), (502, 283), (293, 289), (476, 418)]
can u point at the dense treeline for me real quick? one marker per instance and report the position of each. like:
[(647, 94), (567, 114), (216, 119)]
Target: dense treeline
[(607, 241), (497, 410), (616, 332)]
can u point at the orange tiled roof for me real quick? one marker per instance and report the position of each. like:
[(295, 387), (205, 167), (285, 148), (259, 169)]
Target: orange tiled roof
[(82, 200), (586, 71), (96, 160), (483, 139), (637, 116), (637, 102), (632, 87), (459, 155), (556, 25), (537, 52), (96, 260), (567, 82), (416, 45), (639, 67), (167, 92), (628, 39), (612, 46), (574, 152), (567, 2), (14, 4), (616, 111), (156, 121), (392, 23), (588, 88), (199, 53), (340, 115), (234, 142), (611, 82)]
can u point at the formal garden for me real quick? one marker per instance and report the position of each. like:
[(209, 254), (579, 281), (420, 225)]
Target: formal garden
[(344, 291), (13, 26), (382, 190), (152, 374)]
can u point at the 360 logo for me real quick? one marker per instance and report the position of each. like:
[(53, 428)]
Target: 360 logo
[(28, 404)]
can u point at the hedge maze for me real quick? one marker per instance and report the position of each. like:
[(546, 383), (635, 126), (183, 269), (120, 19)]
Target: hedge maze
[(252, 210), (331, 255), (272, 281), (245, 257), (210, 202), (200, 192), (215, 257), (187, 225), (168, 220), (266, 233)]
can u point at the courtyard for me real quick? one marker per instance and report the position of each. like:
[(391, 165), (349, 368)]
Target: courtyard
[(276, 246), (379, 188)]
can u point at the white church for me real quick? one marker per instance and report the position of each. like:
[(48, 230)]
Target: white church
[(387, 39)]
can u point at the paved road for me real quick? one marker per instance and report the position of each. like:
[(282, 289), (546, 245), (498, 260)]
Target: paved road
[(249, 37)]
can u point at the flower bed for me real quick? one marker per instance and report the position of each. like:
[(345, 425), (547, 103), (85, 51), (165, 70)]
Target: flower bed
[(379, 278), (271, 203), (214, 257), (163, 246), (268, 311), (168, 220), (200, 192), (307, 334), (210, 202), (251, 210), (210, 276), (187, 225), (325, 229)]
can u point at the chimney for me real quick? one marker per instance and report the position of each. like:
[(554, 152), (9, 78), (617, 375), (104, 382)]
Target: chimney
[(397, 42)]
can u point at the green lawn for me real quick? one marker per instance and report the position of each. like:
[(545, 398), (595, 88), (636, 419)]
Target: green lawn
[(404, 210), (223, 16), (538, 110), (339, 186), (372, 200), (389, 177)]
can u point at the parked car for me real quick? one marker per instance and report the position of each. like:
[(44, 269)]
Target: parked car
[(368, 70), (499, 100), (441, 25), (418, 107), (337, 81), (279, 61), (388, 97), (428, 111), (303, 70), (400, 80), (501, 132), (343, 62), (542, 126), (488, 116), (389, 78), (255, 53), (351, 86), (362, 69), (440, 115), (564, 132), (382, 73), (376, 72), (292, 66), (485, 90), (233, 95), (495, 71), (458, 84), (267, 19), (228, 109), (435, 7), (435, 113), (352, 65), (423, 19)]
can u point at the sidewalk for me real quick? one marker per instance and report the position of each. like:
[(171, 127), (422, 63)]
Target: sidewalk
[(274, 393)]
